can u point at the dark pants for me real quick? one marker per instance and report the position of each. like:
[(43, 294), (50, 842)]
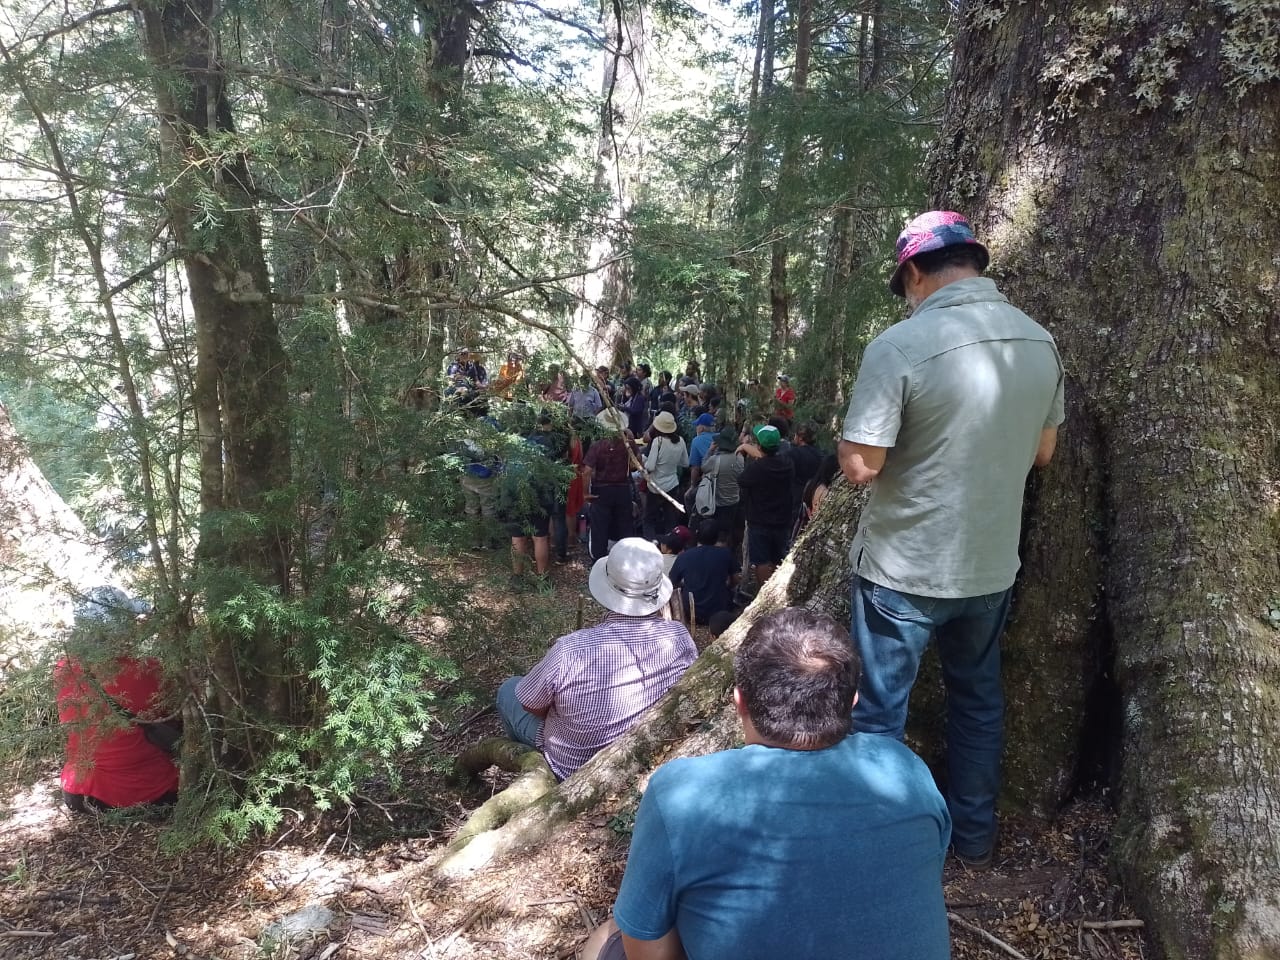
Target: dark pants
[(559, 532), (891, 630), (729, 520), (612, 949), (659, 514), (83, 803), (610, 516)]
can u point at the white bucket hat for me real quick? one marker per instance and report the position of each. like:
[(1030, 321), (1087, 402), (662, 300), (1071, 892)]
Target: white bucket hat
[(630, 580), (664, 423), (612, 419)]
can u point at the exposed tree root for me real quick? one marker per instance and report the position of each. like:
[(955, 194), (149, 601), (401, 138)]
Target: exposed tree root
[(534, 780)]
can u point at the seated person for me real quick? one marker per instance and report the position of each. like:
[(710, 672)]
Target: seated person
[(708, 573), (110, 761), (593, 684), (809, 843), (672, 544)]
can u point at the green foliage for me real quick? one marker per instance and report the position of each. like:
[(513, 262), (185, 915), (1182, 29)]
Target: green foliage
[(408, 205)]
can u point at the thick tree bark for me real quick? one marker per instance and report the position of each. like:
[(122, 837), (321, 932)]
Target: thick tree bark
[(241, 383), (1124, 161), (600, 334)]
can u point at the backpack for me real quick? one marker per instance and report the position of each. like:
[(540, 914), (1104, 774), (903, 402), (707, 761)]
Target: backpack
[(704, 500)]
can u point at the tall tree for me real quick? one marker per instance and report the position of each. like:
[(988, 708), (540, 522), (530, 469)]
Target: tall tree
[(241, 391), (784, 193), (600, 333), (1150, 256)]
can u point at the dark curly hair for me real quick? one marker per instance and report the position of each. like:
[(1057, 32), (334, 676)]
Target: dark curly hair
[(798, 672)]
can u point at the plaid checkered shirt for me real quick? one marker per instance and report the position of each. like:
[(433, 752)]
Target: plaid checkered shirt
[(598, 681)]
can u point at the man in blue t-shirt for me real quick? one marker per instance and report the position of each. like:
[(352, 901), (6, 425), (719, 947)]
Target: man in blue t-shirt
[(708, 573), (809, 843)]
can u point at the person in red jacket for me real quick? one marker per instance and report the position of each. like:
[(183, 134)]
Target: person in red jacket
[(784, 398), (110, 762)]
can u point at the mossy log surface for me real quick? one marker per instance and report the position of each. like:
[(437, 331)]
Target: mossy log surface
[(535, 779)]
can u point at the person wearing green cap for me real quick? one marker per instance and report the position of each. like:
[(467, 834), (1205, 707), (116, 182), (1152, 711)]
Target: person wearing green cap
[(766, 492), (951, 409)]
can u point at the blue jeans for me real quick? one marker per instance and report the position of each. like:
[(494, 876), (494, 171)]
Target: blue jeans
[(520, 725), (891, 630)]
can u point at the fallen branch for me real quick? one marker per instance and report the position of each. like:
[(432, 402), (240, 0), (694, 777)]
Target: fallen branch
[(31, 934), (989, 937), (1113, 924)]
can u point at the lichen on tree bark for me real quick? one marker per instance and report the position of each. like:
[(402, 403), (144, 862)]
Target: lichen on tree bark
[(1138, 221)]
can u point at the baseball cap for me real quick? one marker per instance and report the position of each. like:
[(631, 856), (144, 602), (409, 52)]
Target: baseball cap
[(706, 420), (768, 437), (933, 231)]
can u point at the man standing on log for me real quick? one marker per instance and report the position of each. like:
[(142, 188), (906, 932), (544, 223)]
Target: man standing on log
[(809, 843), (951, 408)]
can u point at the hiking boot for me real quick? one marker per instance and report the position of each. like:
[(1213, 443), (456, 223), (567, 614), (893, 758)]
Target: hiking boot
[(977, 863)]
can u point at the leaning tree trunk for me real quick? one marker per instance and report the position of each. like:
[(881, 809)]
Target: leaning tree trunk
[(47, 557), (241, 383), (1124, 161)]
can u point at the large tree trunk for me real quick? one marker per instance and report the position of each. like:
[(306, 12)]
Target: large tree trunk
[(600, 333), (241, 384), (1126, 168), (1125, 163)]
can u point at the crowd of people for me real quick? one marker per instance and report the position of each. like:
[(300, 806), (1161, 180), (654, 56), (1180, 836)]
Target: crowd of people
[(660, 457), (824, 836)]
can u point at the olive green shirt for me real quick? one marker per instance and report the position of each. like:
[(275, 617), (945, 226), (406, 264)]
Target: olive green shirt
[(960, 392)]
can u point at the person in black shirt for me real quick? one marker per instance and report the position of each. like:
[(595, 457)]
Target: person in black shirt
[(806, 458), (766, 491), (708, 573)]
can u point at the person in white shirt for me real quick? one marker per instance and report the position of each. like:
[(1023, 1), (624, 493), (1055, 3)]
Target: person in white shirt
[(667, 456)]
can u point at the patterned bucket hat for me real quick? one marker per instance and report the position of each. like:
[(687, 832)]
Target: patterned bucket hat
[(933, 231)]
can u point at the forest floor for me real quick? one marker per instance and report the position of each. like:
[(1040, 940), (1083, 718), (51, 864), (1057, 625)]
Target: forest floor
[(78, 887)]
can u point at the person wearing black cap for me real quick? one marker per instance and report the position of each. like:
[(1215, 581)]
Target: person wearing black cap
[(951, 408)]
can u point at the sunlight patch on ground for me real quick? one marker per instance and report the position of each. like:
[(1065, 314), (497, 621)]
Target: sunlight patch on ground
[(32, 813)]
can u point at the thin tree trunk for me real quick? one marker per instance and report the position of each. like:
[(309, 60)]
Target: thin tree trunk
[(826, 343), (779, 295), (1150, 254), (738, 337), (600, 332)]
